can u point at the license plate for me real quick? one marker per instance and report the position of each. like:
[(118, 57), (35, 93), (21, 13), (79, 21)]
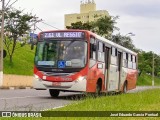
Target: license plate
[(56, 83)]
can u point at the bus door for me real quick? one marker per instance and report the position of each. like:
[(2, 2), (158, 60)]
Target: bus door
[(119, 63), (114, 70), (106, 66)]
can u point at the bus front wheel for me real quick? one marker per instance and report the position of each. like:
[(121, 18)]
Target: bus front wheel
[(54, 93)]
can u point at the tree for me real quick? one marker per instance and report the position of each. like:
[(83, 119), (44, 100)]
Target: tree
[(105, 26), (80, 25), (145, 62), (16, 25), (158, 74), (124, 41), (156, 64)]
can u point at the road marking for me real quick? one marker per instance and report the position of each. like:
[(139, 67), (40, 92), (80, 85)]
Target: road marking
[(54, 108)]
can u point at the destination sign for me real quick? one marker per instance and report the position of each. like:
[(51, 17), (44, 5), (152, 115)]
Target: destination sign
[(63, 35)]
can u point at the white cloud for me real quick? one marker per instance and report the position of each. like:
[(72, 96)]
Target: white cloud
[(146, 31)]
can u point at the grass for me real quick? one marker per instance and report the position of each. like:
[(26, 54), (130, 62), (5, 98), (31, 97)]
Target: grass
[(148, 100), (143, 101), (23, 60), (145, 79)]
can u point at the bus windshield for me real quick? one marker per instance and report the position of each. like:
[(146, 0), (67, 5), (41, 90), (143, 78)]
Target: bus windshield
[(61, 54)]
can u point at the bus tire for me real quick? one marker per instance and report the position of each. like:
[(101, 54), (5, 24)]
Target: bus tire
[(98, 90), (54, 93), (125, 87)]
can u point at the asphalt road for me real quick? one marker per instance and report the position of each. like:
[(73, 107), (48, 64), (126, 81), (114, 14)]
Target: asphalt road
[(33, 100)]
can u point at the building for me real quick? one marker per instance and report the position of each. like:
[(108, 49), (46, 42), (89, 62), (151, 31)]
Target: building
[(87, 13)]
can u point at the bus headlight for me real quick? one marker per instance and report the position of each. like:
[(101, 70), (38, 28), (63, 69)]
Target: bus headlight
[(81, 78), (36, 77)]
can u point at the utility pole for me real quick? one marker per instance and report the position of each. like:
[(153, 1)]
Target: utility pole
[(153, 70), (34, 27), (1, 43)]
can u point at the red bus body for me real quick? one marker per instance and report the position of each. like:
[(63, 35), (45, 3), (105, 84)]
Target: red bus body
[(108, 66)]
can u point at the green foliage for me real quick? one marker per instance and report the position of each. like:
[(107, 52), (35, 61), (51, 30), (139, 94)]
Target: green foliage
[(23, 62), (146, 80), (124, 41), (143, 101), (80, 25), (145, 60), (158, 74), (16, 25), (104, 26)]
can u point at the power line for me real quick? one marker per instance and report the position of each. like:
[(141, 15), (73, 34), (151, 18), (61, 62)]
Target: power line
[(50, 25), (8, 3), (9, 6), (39, 28)]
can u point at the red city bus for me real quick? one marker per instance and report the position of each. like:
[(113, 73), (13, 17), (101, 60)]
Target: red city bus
[(81, 61)]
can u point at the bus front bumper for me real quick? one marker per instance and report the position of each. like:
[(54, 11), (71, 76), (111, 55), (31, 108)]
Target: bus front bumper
[(76, 85)]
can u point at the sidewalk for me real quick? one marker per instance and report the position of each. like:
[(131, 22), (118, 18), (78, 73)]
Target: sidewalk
[(17, 81)]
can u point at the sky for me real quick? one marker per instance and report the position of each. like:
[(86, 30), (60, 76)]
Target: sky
[(141, 17)]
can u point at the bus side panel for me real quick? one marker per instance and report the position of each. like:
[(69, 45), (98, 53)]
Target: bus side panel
[(131, 76), (93, 75), (131, 79)]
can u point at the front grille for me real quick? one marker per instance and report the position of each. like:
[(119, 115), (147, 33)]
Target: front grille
[(57, 74)]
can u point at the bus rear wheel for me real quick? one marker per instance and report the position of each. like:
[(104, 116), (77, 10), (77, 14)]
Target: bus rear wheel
[(125, 87), (54, 93), (98, 90)]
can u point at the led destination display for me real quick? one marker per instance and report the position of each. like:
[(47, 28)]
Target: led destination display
[(63, 35)]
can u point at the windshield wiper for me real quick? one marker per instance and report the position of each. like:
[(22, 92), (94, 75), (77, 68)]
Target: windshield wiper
[(70, 43)]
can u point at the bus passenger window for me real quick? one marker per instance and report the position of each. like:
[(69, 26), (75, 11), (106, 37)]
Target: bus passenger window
[(93, 49), (134, 62), (114, 51), (130, 65), (125, 59), (100, 51), (114, 56), (100, 46)]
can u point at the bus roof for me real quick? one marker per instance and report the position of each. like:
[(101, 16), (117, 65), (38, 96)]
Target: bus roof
[(114, 44)]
